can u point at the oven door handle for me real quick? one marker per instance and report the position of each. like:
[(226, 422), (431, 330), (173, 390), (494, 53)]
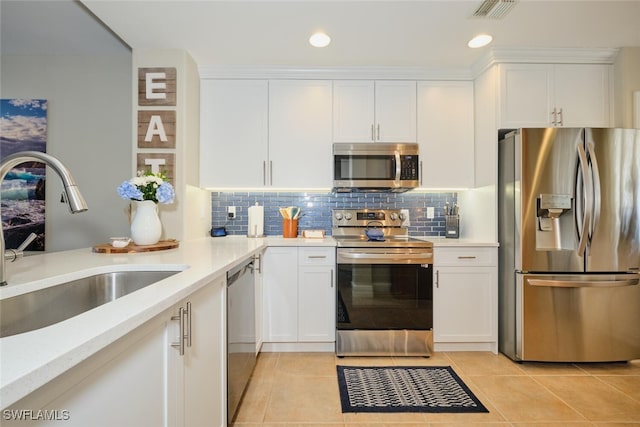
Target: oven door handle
[(385, 258)]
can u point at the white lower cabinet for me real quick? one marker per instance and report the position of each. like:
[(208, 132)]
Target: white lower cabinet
[(316, 295), (280, 295), (299, 299), (203, 366), (465, 297), (141, 380)]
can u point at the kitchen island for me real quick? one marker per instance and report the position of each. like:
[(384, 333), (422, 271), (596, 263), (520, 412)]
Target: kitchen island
[(33, 359)]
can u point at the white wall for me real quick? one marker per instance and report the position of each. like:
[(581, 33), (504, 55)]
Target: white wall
[(89, 130)]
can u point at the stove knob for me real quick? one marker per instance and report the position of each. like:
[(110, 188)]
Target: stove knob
[(338, 216), (380, 215), (394, 216), (403, 216), (348, 216)]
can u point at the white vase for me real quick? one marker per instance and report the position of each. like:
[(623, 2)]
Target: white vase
[(146, 227)]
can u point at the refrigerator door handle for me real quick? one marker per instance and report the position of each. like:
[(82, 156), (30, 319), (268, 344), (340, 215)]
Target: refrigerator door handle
[(595, 177), (584, 193), (583, 283)]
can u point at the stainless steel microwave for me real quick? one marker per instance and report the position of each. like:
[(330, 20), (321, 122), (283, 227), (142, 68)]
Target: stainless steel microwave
[(375, 167)]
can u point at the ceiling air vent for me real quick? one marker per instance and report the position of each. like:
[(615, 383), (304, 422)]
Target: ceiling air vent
[(495, 9)]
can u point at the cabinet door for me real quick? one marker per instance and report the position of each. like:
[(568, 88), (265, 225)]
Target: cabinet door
[(300, 145), (233, 133), (204, 367), (280, 294), (353, 111), (582, 91), (525, 95), (446, 134), (316, 304), (316, 294), (126, 384), (395, 111), (464, 304)]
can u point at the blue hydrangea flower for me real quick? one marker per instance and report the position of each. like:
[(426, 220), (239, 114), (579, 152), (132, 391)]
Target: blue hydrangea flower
[(165, 193), (128, 191)]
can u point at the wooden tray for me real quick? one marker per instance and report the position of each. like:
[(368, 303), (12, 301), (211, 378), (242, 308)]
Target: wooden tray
[(162, 245)]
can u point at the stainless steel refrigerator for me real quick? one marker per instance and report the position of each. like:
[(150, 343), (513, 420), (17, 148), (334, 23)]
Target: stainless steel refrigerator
[(569, 233)]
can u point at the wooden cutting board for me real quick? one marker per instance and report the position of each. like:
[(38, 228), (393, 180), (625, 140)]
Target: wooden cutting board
[(162, 245)]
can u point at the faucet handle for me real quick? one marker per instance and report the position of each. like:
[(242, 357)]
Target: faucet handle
[(30, 238), (12, 255)]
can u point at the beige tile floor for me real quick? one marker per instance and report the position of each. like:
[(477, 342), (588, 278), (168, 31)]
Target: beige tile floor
[(301, 390)]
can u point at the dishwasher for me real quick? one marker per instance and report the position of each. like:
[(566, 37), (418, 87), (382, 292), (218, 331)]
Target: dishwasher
[(241, 333)]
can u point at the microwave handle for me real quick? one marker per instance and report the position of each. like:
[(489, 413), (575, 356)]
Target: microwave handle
[(397, 153)]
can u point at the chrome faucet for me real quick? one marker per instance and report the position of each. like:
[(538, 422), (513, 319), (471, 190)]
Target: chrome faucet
[(71, 194)]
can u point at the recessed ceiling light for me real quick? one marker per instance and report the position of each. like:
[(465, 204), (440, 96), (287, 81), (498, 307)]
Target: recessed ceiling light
[(479, 41), (320, 40)]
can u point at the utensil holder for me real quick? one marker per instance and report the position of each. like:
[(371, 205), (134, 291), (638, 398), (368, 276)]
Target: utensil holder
[(289, 228), (452, 226)]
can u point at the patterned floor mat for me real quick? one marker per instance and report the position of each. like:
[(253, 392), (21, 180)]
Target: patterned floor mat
[(405, 389)]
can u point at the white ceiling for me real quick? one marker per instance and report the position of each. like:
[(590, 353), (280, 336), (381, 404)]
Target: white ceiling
[(419, 33)]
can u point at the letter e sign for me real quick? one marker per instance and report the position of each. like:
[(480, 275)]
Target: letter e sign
[(157, 86)]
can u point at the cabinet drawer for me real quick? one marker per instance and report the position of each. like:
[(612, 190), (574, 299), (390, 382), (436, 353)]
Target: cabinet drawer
[(469, 256), (316, 255)]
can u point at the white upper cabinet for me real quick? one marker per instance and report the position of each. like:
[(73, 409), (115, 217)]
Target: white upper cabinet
[(446, 134), (234, 120), (300, 145), (542, 95), (374, 111), (265, 134)]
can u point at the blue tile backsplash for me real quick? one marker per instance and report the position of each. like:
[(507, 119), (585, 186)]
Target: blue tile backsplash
[(317, 207)]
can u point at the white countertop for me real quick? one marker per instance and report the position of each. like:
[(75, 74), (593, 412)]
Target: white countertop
[(31, 359)]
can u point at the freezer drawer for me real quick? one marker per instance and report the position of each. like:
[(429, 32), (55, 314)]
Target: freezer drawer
[(578, 318)]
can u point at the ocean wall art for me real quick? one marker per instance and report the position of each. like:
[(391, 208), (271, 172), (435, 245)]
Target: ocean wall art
[(23, 127)]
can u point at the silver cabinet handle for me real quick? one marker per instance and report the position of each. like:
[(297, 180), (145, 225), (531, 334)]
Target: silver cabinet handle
[(317, 256), (554, 120), (467, 257), (264, 172), (257, 259), (561, 121), (437, 278), (270, 172), (378, 127), (180, 344), (188, 316), (421, 172), (332, 278), (373, 138)]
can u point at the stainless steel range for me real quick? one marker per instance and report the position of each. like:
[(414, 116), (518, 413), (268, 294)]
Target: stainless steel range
[(385, 285)]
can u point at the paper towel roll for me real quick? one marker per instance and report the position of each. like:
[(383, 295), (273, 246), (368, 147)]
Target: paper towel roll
[(256, 221)]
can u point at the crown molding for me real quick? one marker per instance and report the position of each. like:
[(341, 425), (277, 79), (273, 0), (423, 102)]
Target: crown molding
[(494, 56), (544, 56), (334, 73)]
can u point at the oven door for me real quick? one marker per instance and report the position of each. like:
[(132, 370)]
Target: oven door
[(384, 301)]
